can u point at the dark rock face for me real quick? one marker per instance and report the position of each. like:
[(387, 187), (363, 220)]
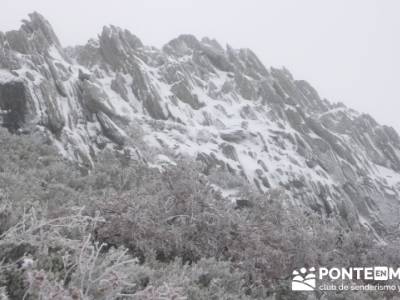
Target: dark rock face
[(229, 151), (222, 106), (13, 104), (184, 94), (53, 119), (234, 136), (110, 129)]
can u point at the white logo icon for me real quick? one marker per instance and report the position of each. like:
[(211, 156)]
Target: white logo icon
[(304, 280)]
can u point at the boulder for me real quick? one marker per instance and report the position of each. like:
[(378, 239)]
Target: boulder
[(110, 129)]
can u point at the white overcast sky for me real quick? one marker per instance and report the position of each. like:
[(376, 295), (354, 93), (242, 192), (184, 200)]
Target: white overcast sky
[(347, 49)]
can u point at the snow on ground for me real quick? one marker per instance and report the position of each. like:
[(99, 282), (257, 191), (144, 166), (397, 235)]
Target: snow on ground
[(7, 76)]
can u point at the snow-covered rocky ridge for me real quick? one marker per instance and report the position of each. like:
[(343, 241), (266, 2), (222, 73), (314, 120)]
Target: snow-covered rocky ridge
[(222, 106)]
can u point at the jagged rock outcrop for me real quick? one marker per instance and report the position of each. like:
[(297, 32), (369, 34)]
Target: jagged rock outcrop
[(222, 106)]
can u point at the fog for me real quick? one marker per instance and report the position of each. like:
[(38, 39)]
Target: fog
[(348, 50)]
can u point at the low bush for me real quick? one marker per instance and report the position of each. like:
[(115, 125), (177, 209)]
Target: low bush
[(132, 230)]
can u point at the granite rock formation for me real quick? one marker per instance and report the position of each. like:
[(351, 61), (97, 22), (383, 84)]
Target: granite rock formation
[(219, 105)]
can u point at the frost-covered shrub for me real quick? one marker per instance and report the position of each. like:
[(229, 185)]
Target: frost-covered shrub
[(66, 261), (207, 279), (167, 213), (133, 230)]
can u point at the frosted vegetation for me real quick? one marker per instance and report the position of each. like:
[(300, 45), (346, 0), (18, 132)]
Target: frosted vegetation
[(148, 230)]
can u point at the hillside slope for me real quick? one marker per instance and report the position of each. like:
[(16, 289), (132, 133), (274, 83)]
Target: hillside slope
[(219, 105)]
